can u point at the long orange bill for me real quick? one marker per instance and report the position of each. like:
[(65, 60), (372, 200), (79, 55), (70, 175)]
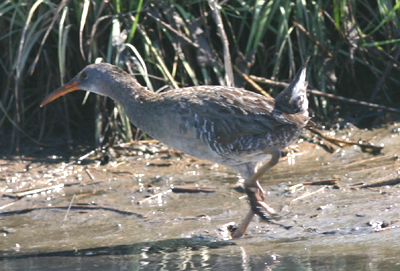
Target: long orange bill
[(67, 88)]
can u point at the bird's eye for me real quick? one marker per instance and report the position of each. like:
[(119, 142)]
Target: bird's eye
[(84, 75)]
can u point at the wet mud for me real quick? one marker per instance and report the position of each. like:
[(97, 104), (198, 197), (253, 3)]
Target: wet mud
[(145, 206)]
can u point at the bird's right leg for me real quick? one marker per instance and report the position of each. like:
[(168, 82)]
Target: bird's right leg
[(255, 193), (254, 190)]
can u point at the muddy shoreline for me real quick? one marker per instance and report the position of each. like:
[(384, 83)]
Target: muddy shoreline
[(122, 202)]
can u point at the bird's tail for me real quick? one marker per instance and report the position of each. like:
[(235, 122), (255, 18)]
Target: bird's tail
[(294, 98)]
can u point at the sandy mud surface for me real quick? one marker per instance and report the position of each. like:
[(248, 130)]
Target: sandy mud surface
[(144, 206)]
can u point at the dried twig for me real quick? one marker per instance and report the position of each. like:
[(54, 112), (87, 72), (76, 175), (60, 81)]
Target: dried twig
[(173, 30), (193, 189), (306, 195), (323, 182), (310, 37), (24, 193), (387, 180), (70, 207), (153, 196), (323, 94), (8, 205), (365, 161), (251, 82), (89, 174), (225, 43), (342, 143)]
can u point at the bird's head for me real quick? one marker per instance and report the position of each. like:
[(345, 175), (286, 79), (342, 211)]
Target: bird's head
[(95, 78)]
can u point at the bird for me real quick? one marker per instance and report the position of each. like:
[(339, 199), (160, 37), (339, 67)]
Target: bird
[(226, 125)]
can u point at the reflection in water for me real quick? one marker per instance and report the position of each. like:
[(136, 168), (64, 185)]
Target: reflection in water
[(200, 257)]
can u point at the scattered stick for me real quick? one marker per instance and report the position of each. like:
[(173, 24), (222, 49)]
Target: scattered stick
[(306, 195), (70, 207), (386, 228), (80, 158), (365, 161), (129, 144), (193, 189), (268, 81), (310, 37), (7, 205), (153, 196), (173, 30), (384, 181), (343, 143), (251, 82), (323, 94), (354, 101), (25, 193), (159, 164), (89, 174), (28, 192), (323, 182)]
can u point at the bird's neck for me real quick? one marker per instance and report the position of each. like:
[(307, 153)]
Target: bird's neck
[(136, 99), (128, 89)]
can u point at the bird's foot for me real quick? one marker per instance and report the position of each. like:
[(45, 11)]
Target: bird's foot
[(258, 206)]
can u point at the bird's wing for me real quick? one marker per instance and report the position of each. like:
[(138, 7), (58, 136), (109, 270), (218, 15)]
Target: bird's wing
[(231, 113)]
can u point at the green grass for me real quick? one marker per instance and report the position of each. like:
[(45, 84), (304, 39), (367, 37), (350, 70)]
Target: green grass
[(355, 45)]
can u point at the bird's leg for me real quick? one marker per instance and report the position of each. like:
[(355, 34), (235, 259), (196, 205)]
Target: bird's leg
[(243, 226), (255, 193), (254, 190)]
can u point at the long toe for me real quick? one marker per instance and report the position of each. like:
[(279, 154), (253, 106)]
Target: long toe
[(258, 206)]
